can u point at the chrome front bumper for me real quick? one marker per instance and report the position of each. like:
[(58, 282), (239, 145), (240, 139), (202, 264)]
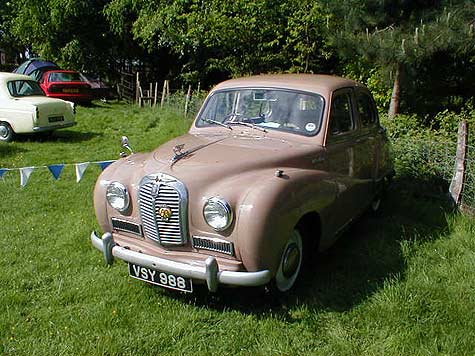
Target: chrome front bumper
[(53, 127), (208, 272)]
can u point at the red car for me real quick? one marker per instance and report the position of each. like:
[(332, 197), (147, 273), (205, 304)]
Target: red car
[(67, 85)]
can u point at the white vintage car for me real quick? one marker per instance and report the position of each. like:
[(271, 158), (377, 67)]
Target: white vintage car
[(24, 108)]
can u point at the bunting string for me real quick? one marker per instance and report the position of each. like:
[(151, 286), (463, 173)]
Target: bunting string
[(55, 169)]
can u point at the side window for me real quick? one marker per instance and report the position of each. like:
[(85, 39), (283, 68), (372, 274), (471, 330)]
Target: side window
[(341, 117), (366, 109)]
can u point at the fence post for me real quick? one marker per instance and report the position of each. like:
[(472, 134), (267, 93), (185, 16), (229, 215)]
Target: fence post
[(187, 100), (168, 91), (137, 88), (458, 180), (155, 95), (163, 93)]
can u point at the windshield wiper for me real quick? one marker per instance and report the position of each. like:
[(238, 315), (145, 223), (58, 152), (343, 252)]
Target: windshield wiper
[(248, 124), (210, 121)]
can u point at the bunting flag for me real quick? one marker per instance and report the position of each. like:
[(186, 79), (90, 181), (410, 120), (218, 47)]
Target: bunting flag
[(25, 174), (80, 169), (3, 171), (56, 170), (105, 164)]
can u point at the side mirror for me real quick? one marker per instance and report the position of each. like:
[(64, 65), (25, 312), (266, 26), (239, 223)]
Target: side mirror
[(125, 144)]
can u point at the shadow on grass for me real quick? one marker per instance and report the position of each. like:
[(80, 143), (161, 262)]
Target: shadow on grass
[(353, 269), (66, 136), (7, 149)]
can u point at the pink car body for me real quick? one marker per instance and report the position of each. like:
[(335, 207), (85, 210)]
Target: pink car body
[(273, 168)]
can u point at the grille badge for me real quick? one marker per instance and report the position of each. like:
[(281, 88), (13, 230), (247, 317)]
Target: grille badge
[(165, 212)]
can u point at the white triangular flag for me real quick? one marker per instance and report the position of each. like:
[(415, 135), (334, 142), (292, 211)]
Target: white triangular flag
[(25, 174), (80, 169)]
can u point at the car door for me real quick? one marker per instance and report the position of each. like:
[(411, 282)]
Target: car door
[(341, 156), (367, 143)]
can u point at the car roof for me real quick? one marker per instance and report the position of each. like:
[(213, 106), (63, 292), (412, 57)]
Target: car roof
[(317, 83), (5, 76)]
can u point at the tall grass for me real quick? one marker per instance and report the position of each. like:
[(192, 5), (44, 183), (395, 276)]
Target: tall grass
[(398, 283)]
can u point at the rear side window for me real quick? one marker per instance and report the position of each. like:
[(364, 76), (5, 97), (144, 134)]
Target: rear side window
[(341, 118), (19, 88), (366, 109)]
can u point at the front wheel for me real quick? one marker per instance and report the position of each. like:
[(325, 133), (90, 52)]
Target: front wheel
[(290, 263), (6, 132)]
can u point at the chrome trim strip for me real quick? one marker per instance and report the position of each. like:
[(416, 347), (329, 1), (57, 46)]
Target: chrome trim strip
[(214, 244), (209, 271), (53, 127), (139, 227)]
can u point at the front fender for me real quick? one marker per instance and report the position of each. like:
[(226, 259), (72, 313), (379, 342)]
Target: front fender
[(127, 171), (272, 208)]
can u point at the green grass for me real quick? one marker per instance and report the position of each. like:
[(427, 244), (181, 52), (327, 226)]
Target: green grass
[(397, 284)]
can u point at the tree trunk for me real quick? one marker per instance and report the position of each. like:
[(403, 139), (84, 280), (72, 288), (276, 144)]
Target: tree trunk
[(394, 104)]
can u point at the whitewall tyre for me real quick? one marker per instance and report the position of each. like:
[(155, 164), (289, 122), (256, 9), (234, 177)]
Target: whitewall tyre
[(6, 132), (290, 263)]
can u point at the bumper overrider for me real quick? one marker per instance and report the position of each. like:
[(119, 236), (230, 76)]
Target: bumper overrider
[(208, 272)]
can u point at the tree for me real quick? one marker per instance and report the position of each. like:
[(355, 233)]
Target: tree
[(73, 33), (235, 37), (8, 42), (398, 35)]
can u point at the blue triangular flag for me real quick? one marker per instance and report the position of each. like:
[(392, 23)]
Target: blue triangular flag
[(3, 171), (56, 170), (105, 164)]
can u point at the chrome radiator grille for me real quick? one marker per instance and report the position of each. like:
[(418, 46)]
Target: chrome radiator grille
[(163, 209)]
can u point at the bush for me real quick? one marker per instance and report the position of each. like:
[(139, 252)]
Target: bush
[(422, 151)]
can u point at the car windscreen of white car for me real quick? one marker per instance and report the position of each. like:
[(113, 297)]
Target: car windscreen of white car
[(19, 88)]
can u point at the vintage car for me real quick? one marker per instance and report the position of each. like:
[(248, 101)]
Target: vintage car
[(24, 108), (272, 170), (67, 85)]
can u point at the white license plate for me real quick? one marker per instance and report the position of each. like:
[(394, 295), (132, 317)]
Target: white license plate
[(159, 278)]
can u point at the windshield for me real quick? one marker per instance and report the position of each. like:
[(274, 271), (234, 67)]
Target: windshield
[(65, 77), (18, 88), (274, 109)]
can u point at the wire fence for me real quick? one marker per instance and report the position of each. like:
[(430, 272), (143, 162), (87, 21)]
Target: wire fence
[(433, 162)]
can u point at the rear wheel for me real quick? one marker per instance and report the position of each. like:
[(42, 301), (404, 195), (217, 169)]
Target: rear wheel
[(290, 263), (6, 132)]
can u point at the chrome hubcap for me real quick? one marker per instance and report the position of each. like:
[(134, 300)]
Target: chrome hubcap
[(3, 131), (291, 260)]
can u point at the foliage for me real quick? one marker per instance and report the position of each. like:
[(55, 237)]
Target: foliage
[(73, 33), (236, 37), (396, 284), (425, 149), (398, 36), (192, 41)]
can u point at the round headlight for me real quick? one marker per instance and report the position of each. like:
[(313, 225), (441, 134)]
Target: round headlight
[(118, 196), (218, 213)]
